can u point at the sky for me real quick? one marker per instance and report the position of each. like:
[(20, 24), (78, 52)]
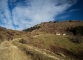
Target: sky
[(22, 14)]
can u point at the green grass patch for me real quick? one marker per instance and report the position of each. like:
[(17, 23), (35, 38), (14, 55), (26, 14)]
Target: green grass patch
[(46, 40), (34, 55)]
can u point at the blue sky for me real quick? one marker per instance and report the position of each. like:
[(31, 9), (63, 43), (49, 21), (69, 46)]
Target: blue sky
[(75, 12), (22, 14)]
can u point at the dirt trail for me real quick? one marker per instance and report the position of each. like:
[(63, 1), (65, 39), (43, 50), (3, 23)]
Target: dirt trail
[(41, 51), (8, 51)]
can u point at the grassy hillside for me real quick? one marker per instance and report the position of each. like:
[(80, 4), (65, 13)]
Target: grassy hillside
[(53, 27), (45, 37), (44, 41), (56, 44), (6, 34)]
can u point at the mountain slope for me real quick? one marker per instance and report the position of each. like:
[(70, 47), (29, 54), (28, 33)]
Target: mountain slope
[(40, 42), (53, 27), (8, 51)]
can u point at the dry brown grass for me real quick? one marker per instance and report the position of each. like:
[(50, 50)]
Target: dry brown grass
[(45, 38), (57, 27)]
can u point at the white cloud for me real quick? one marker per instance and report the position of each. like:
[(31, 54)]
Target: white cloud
[(28, 13), (74, 10)]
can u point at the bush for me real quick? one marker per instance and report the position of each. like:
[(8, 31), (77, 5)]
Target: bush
[(56, 49), (76, 39), (76, 30), (32, 28), (1, 37), (23, 41)]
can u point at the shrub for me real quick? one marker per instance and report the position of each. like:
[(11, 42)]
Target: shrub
[(32, 28), (1, 37), (56, 49), (23, 41), (76, 39), (76, 30)]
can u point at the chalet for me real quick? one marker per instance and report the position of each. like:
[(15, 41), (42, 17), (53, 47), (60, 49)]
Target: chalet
[(64, 33), (58, 33)]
